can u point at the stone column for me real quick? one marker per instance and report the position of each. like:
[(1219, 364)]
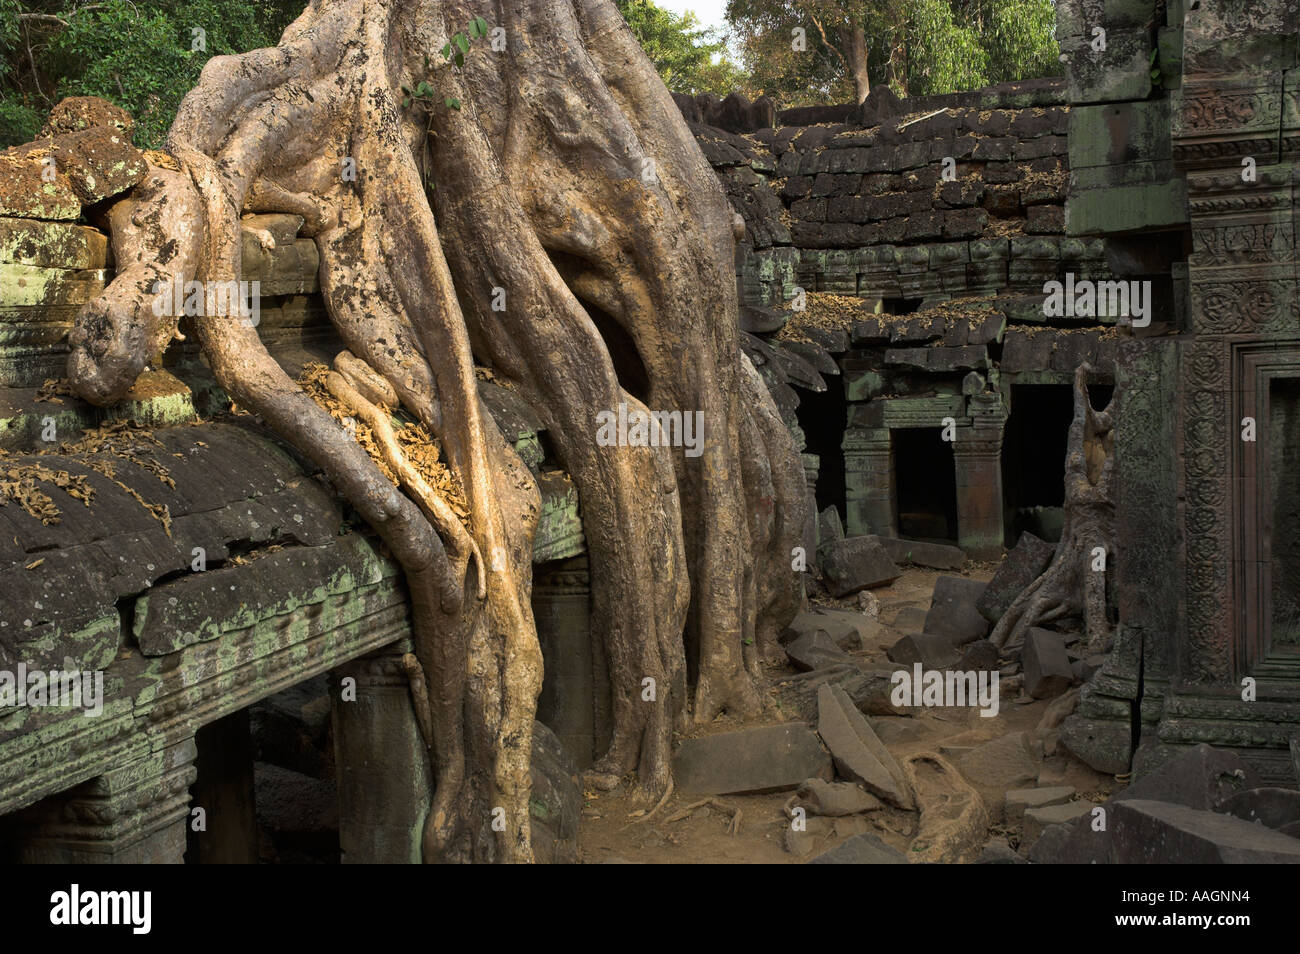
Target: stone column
[(574, 702), (384, 778), (137, 813), (977, 457), (871, 499)]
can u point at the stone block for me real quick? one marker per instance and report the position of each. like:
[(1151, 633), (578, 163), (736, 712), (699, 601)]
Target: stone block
[(25, 194), (814, 650), (1003, 763), (1151, 832), (952, 610), (834, 799), (99, 162), (861, 850), (1024, 564), (932, 652), (1018, 800), (1037, 819), (830, 529), (857, 563), (938, 556), (1046, 666), (858, 753), (978, 656), (769, 758), (52, 244), (1120, 72), (1119, 133), (1201, 778), (1271, 807), (1044, 219)]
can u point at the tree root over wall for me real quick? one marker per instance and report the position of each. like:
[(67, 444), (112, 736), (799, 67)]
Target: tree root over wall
[(561, 227), (1075, 582)]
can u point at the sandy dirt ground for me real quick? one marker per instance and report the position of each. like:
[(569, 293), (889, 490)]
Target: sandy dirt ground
[(755, 828)]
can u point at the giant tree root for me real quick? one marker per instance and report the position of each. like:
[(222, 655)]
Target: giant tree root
[(1074, 583), (575, 241)]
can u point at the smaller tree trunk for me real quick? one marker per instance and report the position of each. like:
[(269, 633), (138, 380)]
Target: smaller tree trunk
[(1074, 583), (857, 58)]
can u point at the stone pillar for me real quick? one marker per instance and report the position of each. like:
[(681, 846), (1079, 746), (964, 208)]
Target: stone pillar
[(977, 457), (871, 499), (137, 813), (574, 703), (384, 778), (224, 790)]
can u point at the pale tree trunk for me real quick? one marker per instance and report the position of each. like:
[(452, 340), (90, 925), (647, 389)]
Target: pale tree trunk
[(857, 50), (1074, 583), (575, 232)]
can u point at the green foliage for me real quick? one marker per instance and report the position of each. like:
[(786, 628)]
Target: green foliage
[(951, 56), (688, 58), (142, 56), (453, 51), (918, 47)]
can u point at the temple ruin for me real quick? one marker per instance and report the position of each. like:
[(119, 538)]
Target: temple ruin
[(894, 275)]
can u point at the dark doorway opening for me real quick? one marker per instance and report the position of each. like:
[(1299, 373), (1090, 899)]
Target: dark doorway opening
[(900, 306), (1033, 455), (927, 484), (824, 418)]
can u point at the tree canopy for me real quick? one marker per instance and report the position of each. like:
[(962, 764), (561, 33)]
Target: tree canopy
[(811, 51), (688, 57), (143, 56)]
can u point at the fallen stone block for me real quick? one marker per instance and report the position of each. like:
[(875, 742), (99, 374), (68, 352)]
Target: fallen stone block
[(1149, 832), (1087, 667), (1024, 564), (861, 850), (1271, 807), (75, 113), (932, 652), (769, 758), (855, 564), (1047, 667), (998, 852), (847, 629), (1018, 800), (815, 650), (99, 162), (938, 556), (872, 692), (832, 799), (979, 656), (1002, 763), (910, 619), (857, 752), (952, 610), (1037, 819), (1201, 778), (830, 529)]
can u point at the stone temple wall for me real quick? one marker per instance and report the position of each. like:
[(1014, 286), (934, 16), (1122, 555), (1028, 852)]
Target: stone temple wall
[(920, 234), (175, 546)]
